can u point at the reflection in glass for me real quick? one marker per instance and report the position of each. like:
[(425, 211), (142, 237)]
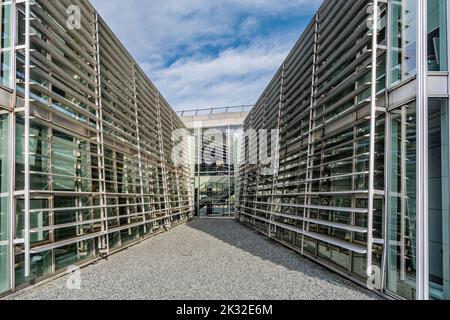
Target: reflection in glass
[(217, 152), (4, 235), (437, 35), (438, 184), (5, 46), (403, 40), (401, 278)]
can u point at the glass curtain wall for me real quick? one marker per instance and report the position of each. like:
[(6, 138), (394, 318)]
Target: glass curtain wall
[(438, 203), (4, 192), (216, 169), (59, 162), (5, 62), (403, 55), (437, 35), (99, 157), (319, 203), (401, 276), (5, 47)]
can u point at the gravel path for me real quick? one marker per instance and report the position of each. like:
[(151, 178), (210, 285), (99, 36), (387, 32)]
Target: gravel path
[(205, 259)]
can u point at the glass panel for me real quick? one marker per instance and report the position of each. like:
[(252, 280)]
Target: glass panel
[(4, 234), (4, 127), (5, 68), (65, 162), (38, 219), (20, 152), (214, 195), (40, 265), (216, 157), (74, 253), (4, 245), (437, 35), (438, 184), (402, 203), (403, 40), (5, 54)]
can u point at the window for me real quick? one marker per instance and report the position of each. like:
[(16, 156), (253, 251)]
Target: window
[(403, 51), (5, 47), (401, 275), (438, 204), (4, 234), (437, 35)]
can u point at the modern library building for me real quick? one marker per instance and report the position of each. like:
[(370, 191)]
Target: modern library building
[(361, 184), (359, 128)]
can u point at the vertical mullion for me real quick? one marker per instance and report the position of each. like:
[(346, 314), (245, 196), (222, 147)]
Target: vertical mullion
[(403, 188), (422, 154), (310, 148), (138, 138), (100, 147), (447, 220), (27, 139), (388, 164), (12, 147), (372, 137)]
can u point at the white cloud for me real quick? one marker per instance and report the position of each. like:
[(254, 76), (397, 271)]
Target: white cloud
[(237, 76), (168, 38), (249, 25)]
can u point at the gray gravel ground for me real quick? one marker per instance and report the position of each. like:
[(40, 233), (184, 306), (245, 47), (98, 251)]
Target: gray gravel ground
[(205, 259)]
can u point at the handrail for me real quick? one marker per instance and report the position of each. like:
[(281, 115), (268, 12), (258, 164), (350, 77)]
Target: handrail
[(208, 111)]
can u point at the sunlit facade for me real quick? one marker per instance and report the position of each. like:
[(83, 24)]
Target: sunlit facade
[(215, 139), (361, 178), (363, 175), (86, 144)]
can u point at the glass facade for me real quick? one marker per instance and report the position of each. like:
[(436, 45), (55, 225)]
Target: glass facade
[(403, 34), (4, 200), (438, 211), (319, 200), (98, 158), (318, 203), (101, 172), (216, 168), (437, 35), (5, 47), (403, 215), (402, 188), (403, 43)]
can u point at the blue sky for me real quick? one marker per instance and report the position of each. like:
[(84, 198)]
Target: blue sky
[(208, 53)]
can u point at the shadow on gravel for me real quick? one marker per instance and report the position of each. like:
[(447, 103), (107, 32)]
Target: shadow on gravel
[(244, 238)]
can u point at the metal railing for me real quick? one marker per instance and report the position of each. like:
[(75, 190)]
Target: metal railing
[(208, 111)]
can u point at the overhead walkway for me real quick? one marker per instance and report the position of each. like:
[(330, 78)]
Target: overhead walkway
[(204, 259)]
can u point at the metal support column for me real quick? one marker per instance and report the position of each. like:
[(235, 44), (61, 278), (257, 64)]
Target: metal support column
[(275, 160), (446, 224), (27, 138), (199, 162), (373, 111), (138, 138), (309, 155), (229, 162), (12, 148), (422, 153), (167, 205), (104, 243)]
